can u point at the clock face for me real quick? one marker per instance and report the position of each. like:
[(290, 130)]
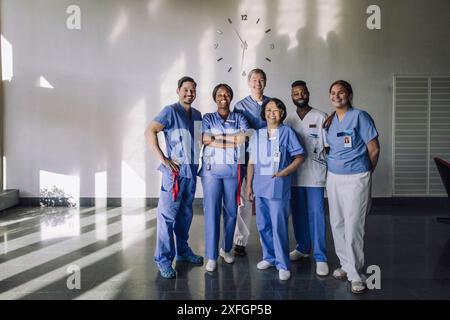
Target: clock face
[(248, 36)]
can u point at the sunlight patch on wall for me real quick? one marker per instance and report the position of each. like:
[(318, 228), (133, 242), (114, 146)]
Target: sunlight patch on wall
[(7, 60), (60, 187), (133, 187), (133, 156), (43, 83), (207, 71), (291, 17), (5, 182), (169, 81), (119, 27), (101, 189), (329, 16)]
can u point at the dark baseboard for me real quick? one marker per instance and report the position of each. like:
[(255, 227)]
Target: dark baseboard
[(153, 202)]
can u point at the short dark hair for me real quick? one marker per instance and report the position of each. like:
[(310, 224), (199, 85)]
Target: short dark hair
[(257, 71), (186, 79), (299, 83), (222, 85), (278, 103)]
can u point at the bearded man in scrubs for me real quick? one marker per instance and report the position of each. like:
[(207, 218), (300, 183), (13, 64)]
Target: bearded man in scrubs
[(179, 167)]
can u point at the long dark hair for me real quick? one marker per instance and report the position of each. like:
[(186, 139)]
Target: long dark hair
[(348, 87)]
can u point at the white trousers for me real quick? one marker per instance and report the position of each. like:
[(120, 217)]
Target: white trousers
[(244, 218), (349, 200)]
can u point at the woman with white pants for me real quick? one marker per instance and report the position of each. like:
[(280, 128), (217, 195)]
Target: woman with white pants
[(354, 150)]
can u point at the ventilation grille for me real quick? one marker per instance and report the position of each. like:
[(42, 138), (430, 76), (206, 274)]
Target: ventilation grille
[(421, 132)]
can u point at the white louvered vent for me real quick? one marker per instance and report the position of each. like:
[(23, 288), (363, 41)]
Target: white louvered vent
[(421, 132)]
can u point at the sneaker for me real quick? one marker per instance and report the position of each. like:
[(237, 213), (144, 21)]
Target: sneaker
[(284, 274), (297, 255), (211, 265), (322, 269), (168, 272), (192, 258), (339, 274), (263, 264), (228, 257), (358, 287), (239, 250)]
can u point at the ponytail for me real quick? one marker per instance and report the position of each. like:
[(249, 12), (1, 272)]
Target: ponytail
[(327, 122)]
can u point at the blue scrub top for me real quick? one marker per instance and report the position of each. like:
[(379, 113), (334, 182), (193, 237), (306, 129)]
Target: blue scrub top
[(351, 157), (266, 162), (218, 162), (252, 111), (183, 136)]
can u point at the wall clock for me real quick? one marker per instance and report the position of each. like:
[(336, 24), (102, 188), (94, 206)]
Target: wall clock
[(248, 36)]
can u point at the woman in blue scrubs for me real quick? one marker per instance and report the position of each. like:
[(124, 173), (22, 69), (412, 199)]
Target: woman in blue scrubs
[(354, 150), (223, 139), (275, 153)]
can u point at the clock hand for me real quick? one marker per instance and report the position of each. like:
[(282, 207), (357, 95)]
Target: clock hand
[(239, 36), (244, 47)]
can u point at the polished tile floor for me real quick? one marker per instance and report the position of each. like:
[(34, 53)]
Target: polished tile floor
[(94, 253)]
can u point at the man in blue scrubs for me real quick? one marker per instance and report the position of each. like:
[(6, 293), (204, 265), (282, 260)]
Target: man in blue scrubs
[(179, 168), (250, 107)]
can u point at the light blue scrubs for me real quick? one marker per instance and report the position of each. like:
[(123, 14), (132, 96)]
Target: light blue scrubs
[(219, 174), (350, 157), (175, 215), (270, 155), (252, 111)]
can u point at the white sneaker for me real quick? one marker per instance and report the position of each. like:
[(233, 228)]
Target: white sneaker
[(211, 265), (228, 257), (322, 269), (297, 255), (263, 264), (284, 274)]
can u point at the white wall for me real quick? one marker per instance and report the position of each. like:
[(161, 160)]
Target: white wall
[(112, 77)]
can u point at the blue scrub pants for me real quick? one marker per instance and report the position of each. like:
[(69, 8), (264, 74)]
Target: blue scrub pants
[(308, 218), (174, 218), (215, 192), (272, 218)]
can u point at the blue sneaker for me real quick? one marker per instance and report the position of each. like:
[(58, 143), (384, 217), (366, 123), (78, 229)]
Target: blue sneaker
[(192, 258), (168, 272)]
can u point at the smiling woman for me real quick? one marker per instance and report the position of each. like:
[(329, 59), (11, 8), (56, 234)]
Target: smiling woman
[(354, 150), (223, 138)]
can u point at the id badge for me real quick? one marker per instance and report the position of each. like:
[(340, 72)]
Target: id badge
[(347, 141)]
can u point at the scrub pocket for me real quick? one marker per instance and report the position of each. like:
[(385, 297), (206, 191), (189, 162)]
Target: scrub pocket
[(166, 183)]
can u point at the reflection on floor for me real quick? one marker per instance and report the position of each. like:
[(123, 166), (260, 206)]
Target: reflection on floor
[(89, 253)]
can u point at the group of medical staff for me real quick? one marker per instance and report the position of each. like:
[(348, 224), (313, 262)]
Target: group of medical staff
[(258, 159)]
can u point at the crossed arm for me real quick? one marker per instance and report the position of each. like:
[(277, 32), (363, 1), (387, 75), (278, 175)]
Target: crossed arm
[(224, 140)]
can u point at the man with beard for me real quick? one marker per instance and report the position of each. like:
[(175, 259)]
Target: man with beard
[(308, 184), (179, 168)]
